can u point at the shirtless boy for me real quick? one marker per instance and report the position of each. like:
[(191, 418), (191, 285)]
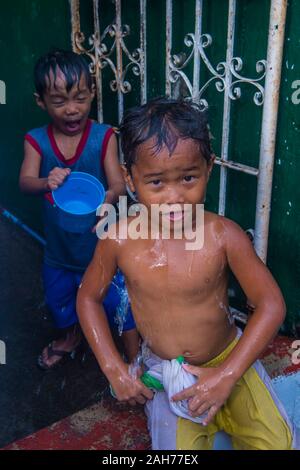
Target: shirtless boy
[(179, 297)]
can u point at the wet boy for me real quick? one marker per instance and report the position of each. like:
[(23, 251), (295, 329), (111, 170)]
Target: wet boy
[(179, 297), (71, 142)]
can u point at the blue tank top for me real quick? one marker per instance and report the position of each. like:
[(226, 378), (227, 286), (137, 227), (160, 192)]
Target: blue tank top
[(63, 249)]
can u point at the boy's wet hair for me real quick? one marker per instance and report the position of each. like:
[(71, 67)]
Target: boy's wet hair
[(167, 120), (71, 64)]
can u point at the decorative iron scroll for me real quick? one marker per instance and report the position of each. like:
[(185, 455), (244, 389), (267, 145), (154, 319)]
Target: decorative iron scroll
[(102, 55), (178, 62)]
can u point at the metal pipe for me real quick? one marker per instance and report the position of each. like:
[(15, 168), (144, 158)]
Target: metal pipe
[(143, 48), (169, 13), (269, 125), (237, 166), (98, 71), (21, 224), (75, 21), (119, 69), (197, 63), (227, 105)]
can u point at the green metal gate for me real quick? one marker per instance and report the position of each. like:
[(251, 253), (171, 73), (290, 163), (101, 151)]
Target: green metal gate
[(199, 63)]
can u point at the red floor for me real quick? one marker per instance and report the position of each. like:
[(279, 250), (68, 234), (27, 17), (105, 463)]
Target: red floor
[(104, 426), (111, 426)]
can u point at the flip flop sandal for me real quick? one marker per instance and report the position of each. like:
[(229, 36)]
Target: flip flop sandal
[(54, 352)]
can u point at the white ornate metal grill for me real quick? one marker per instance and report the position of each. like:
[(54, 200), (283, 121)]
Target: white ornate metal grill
[(226, 75)]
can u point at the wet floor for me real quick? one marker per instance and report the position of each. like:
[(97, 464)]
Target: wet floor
[(31, 399)]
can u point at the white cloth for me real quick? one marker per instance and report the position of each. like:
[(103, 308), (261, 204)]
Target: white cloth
[(162, 413), (174, 379)]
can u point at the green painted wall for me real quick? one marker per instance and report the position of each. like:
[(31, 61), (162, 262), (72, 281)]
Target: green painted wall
[(284, 249), (29, 28)]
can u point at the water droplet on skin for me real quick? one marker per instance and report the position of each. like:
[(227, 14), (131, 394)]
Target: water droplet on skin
[(186, 353), (160, 255), (101, 291), (107, 366), (95, 335)]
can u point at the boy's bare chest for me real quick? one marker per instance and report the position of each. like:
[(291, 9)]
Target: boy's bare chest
[(165, 266)]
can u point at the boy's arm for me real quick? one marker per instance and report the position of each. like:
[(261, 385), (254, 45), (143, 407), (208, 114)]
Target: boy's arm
[(29, 180), (263, 292), (215, 384), (116, 185), (95, 326)]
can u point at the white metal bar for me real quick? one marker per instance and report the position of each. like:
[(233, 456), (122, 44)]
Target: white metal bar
[(75, 21), (169, 16), (98, 71), (196, 71), (119, 70), (143, 47), (269, 125), (227, 105), (237, 166)]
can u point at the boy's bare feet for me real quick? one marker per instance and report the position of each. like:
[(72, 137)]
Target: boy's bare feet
[(55, 351)]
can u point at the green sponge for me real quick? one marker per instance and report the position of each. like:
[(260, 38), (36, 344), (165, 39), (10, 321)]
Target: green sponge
[(152, 382)]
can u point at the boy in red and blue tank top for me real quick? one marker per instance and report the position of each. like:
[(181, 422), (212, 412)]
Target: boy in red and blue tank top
[(71, 142)]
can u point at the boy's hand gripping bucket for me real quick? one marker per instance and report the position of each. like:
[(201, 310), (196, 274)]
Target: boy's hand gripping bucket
[(77, 200)]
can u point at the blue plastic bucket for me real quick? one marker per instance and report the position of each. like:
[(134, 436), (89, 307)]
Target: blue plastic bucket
[(77, 200)]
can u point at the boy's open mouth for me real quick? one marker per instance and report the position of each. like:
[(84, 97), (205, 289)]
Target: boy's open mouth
[(73, 126), (173, 216)]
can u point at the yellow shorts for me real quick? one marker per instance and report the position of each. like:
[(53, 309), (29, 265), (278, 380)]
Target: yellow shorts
[(253, 415)]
